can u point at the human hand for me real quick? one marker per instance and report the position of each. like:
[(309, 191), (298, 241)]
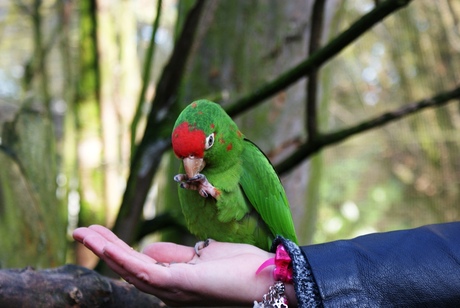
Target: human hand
[(224, 274)]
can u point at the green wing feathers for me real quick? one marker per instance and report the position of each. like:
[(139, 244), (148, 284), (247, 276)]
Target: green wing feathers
[(264, 190)]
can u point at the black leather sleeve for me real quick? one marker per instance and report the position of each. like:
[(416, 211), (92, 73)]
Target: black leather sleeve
[(410, 268)]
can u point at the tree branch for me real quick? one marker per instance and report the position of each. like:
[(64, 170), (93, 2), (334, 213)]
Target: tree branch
[(323, 140), (311, 115), (145, 77), (318, 58), (68, 286)]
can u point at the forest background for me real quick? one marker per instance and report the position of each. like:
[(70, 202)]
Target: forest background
[(336, 93)]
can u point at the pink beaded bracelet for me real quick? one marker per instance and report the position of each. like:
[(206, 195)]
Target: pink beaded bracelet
[(283, 265)]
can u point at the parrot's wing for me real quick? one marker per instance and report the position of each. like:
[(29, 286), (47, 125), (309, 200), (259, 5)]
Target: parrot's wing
[(264, 190)]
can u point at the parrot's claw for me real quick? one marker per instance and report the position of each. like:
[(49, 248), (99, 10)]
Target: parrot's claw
[(197, 178), (180, 178), (198, 182), (203, 193), (202, 245)]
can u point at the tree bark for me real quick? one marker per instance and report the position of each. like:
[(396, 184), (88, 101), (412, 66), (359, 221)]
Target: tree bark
[(28, 233), (68, 286)]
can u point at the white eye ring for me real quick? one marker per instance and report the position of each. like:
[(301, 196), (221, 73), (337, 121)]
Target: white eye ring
[(209, 141)]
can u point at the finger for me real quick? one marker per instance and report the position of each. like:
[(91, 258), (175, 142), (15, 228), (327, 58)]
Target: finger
[(144, 274), (105, 232), (107, 246), (80, 233), (110, 236), (170, 252), (92, 240), (97, 237), (112, 264)]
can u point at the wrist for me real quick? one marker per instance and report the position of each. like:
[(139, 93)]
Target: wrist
[(265, 280), (290, 294), (306, 290), (281, 290)]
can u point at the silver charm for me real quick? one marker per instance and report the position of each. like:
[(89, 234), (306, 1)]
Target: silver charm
[(274, 298)]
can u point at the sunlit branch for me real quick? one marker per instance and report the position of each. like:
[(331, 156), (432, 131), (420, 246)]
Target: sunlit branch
[(145, 77), (310, 147), (318, 58)]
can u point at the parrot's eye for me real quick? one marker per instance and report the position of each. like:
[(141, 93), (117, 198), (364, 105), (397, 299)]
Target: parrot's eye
[(209, 141)]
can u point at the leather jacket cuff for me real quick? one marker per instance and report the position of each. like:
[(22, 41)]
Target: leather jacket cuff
[(305, 287)]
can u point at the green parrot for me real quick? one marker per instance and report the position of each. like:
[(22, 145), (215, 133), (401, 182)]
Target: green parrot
[(230, 190)]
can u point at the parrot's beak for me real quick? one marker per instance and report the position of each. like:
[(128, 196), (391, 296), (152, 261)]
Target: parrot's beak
[(193, 165)]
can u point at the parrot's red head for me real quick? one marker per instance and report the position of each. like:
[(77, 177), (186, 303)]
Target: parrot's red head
[(201, 125), (188, 141)]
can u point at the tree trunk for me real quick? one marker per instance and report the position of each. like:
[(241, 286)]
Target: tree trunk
[(29, 233)]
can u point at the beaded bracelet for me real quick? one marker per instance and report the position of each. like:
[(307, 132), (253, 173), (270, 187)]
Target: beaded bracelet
[(283, 265), (281, 273)]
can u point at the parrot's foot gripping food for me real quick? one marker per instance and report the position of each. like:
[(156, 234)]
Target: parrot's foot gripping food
[(199, 182)]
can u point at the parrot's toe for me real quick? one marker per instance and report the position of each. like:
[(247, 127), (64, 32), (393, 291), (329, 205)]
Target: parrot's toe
[(202, 245), (203, 193), (180, 178), (198, 177)]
